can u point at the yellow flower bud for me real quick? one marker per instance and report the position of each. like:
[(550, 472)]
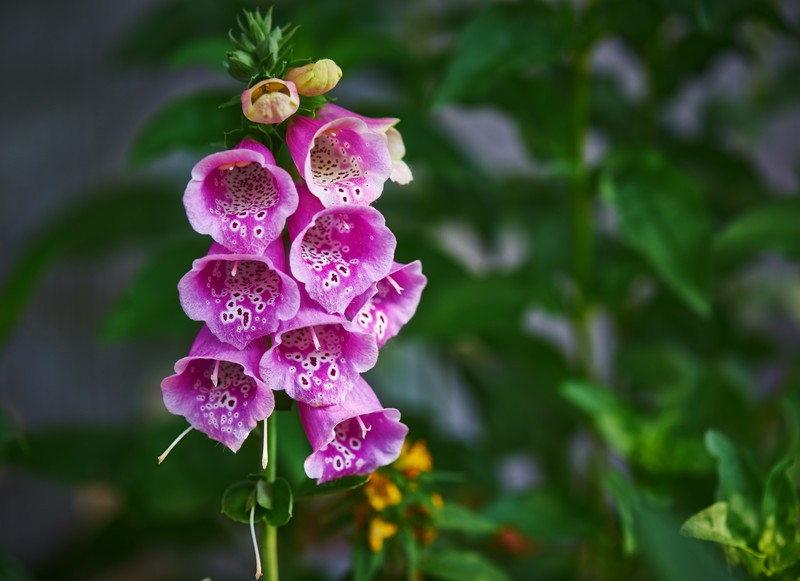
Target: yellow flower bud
[(382, 492), (315, 78), (270, 101)]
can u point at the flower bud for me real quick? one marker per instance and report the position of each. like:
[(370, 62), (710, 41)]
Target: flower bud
[(270, 101), (315, 78)]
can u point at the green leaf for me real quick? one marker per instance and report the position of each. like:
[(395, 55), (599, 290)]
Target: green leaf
[(238, 500), (105, 220), (280, 495), (310, 489), (149, 306), (711, 524), (457, 565), (206, 52), (191, 123), (456, 517), (502, 39), (366, 563), (615, 422), (769, 227), (739, 484), (779, 512), (542, 514), (662, 216)]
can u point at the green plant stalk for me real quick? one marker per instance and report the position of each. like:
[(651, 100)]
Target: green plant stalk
[(271, 532)]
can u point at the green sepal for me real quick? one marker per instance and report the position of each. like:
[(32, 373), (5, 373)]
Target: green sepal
[(277, 500), (238, 500)]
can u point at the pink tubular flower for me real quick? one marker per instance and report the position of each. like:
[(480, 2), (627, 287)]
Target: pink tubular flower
[(337, 253), (241, 297), (355, 437), (401, 173), (217, 389), (391, 303), (342, 161), (317, 357), (240, 198)]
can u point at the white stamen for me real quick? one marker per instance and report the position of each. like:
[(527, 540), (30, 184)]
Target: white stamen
[(235, 268), (364, 427), (215, 374), (174, 443), (255, 542), (344, 223), (315, 339), (394, 284), (265, 451)]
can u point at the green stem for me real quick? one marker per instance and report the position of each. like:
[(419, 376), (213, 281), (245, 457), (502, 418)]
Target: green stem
[(582, 220), (271, 532)]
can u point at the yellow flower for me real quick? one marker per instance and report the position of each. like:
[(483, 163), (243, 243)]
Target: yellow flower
[(414, 459), (379, 531), (381, 492)]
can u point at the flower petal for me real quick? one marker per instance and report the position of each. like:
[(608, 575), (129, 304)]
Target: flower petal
[(342, 161), (340, 253), (355, 437), (241, 297), (391, 303), (317, 357), (229, 410), (240, 198)]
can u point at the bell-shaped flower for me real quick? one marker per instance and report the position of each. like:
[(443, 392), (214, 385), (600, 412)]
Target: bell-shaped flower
[(401, 173), (316, 78), (337, 253), (240, 198), (355, 437), (270, 101), (218, 390), (317, 357), (342, 160), (241, 297), (390, 303)]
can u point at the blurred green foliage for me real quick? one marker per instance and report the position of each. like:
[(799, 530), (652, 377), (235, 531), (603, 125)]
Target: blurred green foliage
[(654, 411)]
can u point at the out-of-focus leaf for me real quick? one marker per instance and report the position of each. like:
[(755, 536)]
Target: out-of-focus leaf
[(663, 218), (191, 123), (671, 556), (238, 500), (457, 565), (780, 536), (455, 517), (769, 227), (504, 38), (615, 422), (542, 514), (11, 570), (149, 306), (711, 524), (106, 220), (310, 488), (205, 52), (366, 563), (167, 26), (739, 484)]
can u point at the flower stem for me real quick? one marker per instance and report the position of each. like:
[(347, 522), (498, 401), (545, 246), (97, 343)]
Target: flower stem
[(271, 532)]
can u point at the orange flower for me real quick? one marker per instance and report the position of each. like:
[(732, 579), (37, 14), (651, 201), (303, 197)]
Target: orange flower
[(379, 531), (382, 492), (414, 459)]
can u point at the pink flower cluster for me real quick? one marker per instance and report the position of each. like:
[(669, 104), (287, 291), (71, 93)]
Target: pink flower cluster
[(298, 291)]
